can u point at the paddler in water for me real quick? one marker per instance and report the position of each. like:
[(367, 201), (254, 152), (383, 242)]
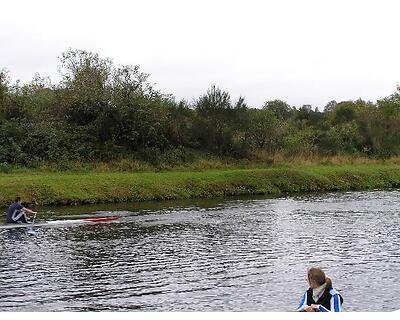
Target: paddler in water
[(17, 212), (320, 296)]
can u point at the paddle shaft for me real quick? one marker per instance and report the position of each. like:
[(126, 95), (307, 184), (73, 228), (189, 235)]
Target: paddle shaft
[(34, 217)]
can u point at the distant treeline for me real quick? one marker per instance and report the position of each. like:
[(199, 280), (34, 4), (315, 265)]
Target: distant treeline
[(101, 112)]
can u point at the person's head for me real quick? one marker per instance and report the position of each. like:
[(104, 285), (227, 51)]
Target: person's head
[(18, 199), (316, 277)]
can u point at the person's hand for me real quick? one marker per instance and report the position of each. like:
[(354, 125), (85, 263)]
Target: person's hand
[(309, 309), (314, 306)]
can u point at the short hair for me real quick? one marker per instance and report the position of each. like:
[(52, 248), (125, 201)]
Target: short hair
[(17, 199)]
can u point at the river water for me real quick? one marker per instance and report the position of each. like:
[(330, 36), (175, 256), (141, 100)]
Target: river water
[(248, 254)]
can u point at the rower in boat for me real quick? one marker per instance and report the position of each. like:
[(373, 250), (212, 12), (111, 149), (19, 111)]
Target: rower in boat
[(320, 296), (17, 212)]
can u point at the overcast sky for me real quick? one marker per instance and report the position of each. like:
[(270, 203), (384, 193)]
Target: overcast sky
[(303, 52)]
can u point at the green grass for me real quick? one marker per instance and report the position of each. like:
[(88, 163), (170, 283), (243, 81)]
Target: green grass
[(53, 188)]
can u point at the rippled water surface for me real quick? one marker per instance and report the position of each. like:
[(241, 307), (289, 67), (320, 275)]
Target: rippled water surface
[(232, 254)]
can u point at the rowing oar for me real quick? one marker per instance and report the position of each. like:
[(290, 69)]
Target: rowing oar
[(34, 217), (30, 230)]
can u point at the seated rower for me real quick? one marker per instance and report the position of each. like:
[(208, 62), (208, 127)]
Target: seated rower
[(320, 296), (17, 212)]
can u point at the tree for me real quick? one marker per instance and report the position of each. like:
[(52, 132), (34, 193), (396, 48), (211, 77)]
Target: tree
[(388, 141), (86, 83), (214, 110), (279, 108), (4, 83), (214, 103), (330, 106), (265, 130)]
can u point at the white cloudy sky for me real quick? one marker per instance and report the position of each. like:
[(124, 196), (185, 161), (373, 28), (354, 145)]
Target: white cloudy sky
[(304, 52)]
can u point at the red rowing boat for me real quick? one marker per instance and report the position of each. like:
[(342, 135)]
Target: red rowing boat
[(101, 219)]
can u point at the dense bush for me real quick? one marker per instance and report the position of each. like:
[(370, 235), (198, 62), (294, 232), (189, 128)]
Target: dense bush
[(103, 112)]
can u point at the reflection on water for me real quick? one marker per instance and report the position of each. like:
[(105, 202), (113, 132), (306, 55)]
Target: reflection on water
[(237, 254)]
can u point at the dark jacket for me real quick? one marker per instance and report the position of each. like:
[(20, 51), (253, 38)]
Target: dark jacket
[(330, 300)]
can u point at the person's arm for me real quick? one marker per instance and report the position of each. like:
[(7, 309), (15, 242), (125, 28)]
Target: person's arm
[(335, 303), (28, 210), (303, 302)]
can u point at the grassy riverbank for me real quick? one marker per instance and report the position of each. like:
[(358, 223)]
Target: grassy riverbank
[(96, 187)]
